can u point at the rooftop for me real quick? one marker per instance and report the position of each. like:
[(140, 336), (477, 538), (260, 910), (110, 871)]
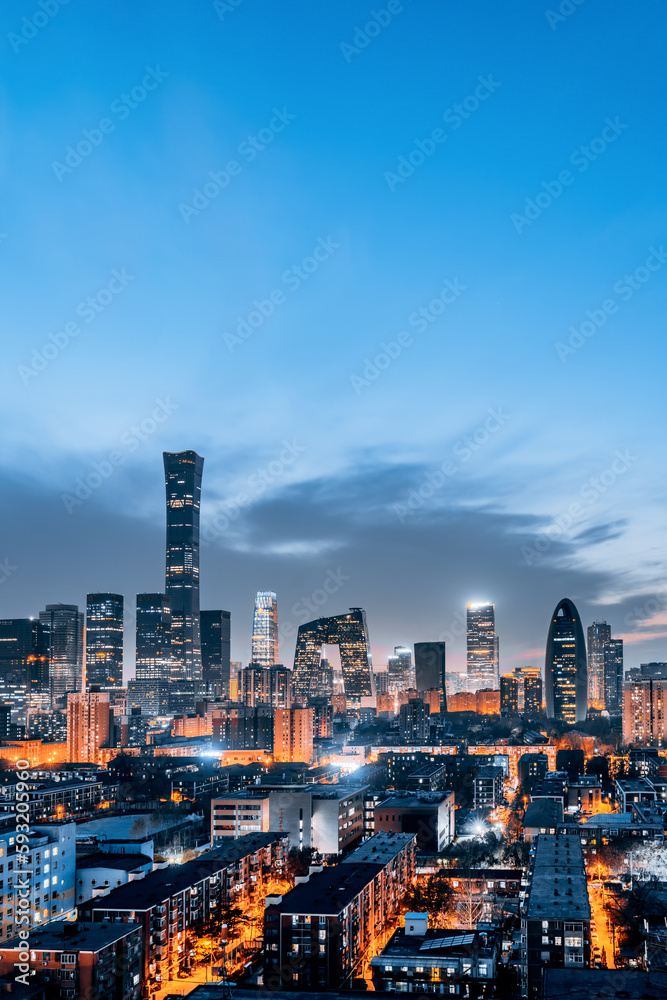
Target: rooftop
[(558, 888), (582, 984), (435, 944), (328, 891), (417, 801), (61, 935), (543, 813), (122, 862), (380, 849)]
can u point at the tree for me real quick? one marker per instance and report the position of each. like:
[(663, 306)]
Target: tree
[(299, 862), (432, 894)]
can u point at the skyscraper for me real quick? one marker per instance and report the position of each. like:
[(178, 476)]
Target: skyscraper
[(613, 675), (24, 664), (565, 666), (644, 714), (153, 661), (183, 474), (104, 641), (400, 670), (482, 648), (430, 669), (350, 633), (509, 695), (598, 633), (64, 625), (265, 629), (532, 695), (216, 629)]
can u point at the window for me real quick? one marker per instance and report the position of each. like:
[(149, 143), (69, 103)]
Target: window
[(573, 942), (545, 939)]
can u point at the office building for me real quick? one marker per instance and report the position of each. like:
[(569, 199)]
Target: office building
[(415, 723), (293, 734), (64, 626), (509, 695), (532, 695), (430, 671), (265, 629), (482, 654), (656, 669), (104, 641), (645, 712), (613, 675), (183, 475), (88, 725), (598, 634), (556, 913), (317, 935), (565, 669), (216, 628), (24, 665), (45, 876), (323, 686), (150, 698), (350, 633), (80, 961), (429, 815), (153, 656), (400, 670), (456, 682)]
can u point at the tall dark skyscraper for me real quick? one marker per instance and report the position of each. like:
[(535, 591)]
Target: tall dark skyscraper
[(598, 633), (104, 641), (24, 663), (183, 473), (482, 648), (216, 634), (350, 633), (613, 675), (153, 660), (430, 669), (565, 667), (64, 624)]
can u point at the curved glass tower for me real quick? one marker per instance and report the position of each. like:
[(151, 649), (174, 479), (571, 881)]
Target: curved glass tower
[(565, 667), (350, 633)]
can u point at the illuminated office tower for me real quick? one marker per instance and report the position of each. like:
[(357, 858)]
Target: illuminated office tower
[(613, 675), (530, 687), (350, 633), (565, 666), (64, 625), (216, 632), (265, 629), (482, 648), (104, 641), (430, 669), (153, 637), (598, 633), (399, 670), (509, 695), (24, 665), (183, 473), (88, 725)]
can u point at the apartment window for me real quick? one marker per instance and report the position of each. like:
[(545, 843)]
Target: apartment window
[(573, 942), (545, 939)]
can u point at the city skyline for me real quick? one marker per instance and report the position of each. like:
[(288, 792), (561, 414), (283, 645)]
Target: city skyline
[(434, 453)]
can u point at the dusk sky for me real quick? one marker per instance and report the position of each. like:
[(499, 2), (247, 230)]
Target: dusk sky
[(338, 253)]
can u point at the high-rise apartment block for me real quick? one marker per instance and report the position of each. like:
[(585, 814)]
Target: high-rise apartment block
[(293, 734), (183, 474), (104, 641), (509, 695), (265, 629), (613, 675), (482, 653), (88, 725), (645, 712)]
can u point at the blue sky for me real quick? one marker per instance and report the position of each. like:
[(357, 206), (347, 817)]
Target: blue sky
[(521, 517)]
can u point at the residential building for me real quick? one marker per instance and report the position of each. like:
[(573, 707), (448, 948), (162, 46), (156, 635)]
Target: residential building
[(542, 816), (430, 815), (487, 701), (88, 725), (99, 872), (645, 712), (415, 724), (293, 734), (488, 786), (632, 791), (44, 875), (255, 685), (509, 695), (24, 667), (532, 768)]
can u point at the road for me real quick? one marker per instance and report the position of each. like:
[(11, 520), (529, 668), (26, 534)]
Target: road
[(604, 942)]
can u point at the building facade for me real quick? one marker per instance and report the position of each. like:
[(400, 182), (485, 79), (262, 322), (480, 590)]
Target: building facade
[(565, 668), (265, 649), (430, 669), (645, 712), (216, 634), (597, 634), (88, 725), (350, 633), (613, 675), (482, 653), (64, 627), (153, 627), (104, 641)]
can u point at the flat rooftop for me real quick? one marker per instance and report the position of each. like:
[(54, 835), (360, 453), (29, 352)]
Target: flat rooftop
[(56, 936), (328, 891), (122, 862), (412, 802), (582, 984), (558, 889), (380, 849)]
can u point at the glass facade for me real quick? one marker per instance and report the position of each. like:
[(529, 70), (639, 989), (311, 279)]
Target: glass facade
[(104, 641), (265, 629), (153, 660), (430, 669), (482, 648), (565, 668), (598, 633), (216, 634), (24, 663), (183, 473), (64, 625), (350, 633), (613, 675)]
